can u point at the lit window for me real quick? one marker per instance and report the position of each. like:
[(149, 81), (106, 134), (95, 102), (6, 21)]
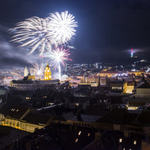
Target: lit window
[(120, 140), (88, 134), (100, 100), (79, 133), (17, 110), (76, 140), (134, 142), (130, 149), (124, 149), (76, 104)]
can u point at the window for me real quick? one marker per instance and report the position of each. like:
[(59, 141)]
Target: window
[(134, 142), (117, 88), (76, 140), (120, 140), (88, 134), (79, 133), (76, 104)]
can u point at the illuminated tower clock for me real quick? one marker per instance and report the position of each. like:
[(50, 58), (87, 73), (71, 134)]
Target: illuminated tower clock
[(47, 73)]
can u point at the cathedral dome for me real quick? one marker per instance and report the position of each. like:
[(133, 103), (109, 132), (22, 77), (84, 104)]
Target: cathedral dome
[(64, 77)]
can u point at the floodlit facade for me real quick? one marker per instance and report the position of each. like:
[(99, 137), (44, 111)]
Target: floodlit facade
[(47, 73), (21, 118), (128, 87)]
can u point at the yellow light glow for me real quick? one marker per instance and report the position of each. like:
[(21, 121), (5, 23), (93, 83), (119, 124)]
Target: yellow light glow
[(79, 133), (134, 142), (120, 140)]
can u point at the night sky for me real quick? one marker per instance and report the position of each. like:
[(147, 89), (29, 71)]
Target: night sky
[(106, 28)]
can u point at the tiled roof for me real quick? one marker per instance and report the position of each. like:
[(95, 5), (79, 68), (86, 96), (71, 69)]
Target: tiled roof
[(95, 110), (86, 118), (112, 140), (16, 111), (144, 117), (115, 116), (144, 85), (37, 118)]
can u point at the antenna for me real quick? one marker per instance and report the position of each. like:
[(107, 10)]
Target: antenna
[(131, 51)]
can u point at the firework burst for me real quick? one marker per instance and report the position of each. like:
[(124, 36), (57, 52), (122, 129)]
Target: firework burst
[(34, 32), (39, 33), (38, 69), (58, 56), (62, 25)]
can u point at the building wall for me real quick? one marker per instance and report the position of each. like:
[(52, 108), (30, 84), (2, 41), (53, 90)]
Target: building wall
[(143, 92), (33, 85), (146, 130), (21, 125), (142, 96), (128, 88)]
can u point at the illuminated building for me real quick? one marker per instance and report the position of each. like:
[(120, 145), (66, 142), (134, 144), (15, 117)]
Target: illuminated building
[(137, 73), (128, 87), (112, 73), (47, 73), (90, 80), (30, 84), (141, 96), (20, 117), (25, 71)]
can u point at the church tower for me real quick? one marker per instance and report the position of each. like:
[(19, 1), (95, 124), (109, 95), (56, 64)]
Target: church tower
[(25, 72), (47, 73)]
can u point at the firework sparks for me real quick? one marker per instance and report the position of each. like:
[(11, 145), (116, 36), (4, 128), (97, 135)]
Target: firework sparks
[(34, 32), (39, 33), (62, 25), (38, 69), (58, 56)]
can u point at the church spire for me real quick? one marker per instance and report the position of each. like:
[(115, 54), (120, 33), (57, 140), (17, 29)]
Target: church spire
[(25, 71)]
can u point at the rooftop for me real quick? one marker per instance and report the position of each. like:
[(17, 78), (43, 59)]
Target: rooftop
[(37, 118), (16, 111), (86, 118)]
